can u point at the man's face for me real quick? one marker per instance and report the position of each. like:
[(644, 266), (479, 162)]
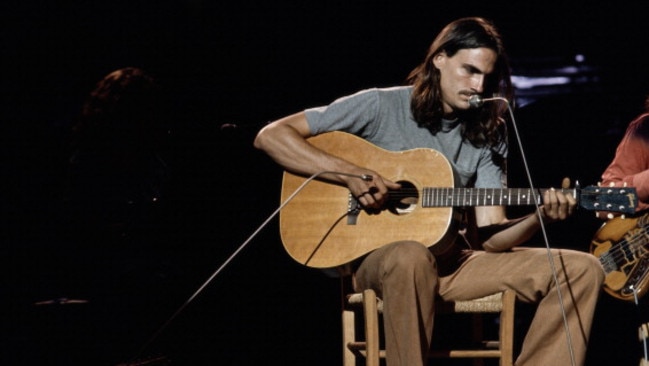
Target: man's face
[(462, 76)]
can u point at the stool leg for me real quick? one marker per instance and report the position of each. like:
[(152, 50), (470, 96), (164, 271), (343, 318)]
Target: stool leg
[(478, 334), (371, 327), (349, 335), (507, 329)]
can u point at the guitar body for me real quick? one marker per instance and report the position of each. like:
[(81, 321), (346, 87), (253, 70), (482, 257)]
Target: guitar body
[(622, 246), (317, 227), (323, 226)]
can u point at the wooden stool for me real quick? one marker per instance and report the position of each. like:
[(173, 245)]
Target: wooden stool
[(371, 307)]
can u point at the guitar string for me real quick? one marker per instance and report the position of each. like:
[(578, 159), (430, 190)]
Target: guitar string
[(632, 246), (440, 196), (637, 241)]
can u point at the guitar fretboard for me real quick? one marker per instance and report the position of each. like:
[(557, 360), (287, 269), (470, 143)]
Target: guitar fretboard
[(459, 197)]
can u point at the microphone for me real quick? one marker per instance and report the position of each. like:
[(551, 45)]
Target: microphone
[(476, 101)]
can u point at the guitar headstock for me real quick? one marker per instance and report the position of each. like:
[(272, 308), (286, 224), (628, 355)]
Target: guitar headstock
[(611, 199)]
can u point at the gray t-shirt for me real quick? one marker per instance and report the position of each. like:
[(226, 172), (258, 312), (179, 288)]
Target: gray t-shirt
[(382, 116)]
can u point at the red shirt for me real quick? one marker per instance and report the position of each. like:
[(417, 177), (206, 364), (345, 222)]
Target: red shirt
[(630, 166)]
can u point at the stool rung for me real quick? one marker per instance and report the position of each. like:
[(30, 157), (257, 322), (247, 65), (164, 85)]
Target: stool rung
[(465, 353), (360, 348)]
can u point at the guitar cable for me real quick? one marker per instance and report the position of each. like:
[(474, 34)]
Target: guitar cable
[(365, 177), (476, 101)]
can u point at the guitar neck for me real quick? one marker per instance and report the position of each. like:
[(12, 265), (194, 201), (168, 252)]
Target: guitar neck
[(462, 197)]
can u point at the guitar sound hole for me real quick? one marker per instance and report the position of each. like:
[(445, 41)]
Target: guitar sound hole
[(404, 200)]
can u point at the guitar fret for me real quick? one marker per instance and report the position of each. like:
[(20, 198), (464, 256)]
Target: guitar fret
[(526, 196)]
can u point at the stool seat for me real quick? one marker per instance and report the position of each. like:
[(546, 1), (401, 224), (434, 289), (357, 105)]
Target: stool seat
[(369, 307)]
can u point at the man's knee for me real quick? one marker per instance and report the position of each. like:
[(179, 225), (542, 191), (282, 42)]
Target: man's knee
[(413, 255), (587, 266)]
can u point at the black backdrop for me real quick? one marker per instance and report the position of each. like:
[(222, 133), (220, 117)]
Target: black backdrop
[(246, 63)]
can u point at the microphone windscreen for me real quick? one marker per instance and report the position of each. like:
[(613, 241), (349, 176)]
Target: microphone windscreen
[(475, 101)]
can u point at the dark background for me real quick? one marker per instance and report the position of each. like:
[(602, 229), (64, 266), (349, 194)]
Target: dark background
[(247, 63)]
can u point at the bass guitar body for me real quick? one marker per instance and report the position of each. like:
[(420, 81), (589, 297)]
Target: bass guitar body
[(622, 246)]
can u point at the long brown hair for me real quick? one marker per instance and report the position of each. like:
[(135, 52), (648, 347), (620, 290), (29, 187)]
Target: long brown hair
[(122, 112), (484, 124)]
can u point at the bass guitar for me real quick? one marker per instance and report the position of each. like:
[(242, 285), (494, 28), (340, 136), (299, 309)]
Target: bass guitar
[(324, 226), (622, 246)]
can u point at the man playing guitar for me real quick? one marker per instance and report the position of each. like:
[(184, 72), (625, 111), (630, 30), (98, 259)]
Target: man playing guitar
[(467, 59)]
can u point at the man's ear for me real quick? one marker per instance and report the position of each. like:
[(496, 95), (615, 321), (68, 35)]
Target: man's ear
[(439, 59)]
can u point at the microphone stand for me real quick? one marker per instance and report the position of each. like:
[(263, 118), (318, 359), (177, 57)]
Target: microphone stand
[(476, 101)]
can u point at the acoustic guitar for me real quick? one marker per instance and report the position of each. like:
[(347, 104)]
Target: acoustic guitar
[(324, 226), (622, 246)]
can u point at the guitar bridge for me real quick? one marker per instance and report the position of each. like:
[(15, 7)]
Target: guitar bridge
[(635, 281), (353, 209)]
